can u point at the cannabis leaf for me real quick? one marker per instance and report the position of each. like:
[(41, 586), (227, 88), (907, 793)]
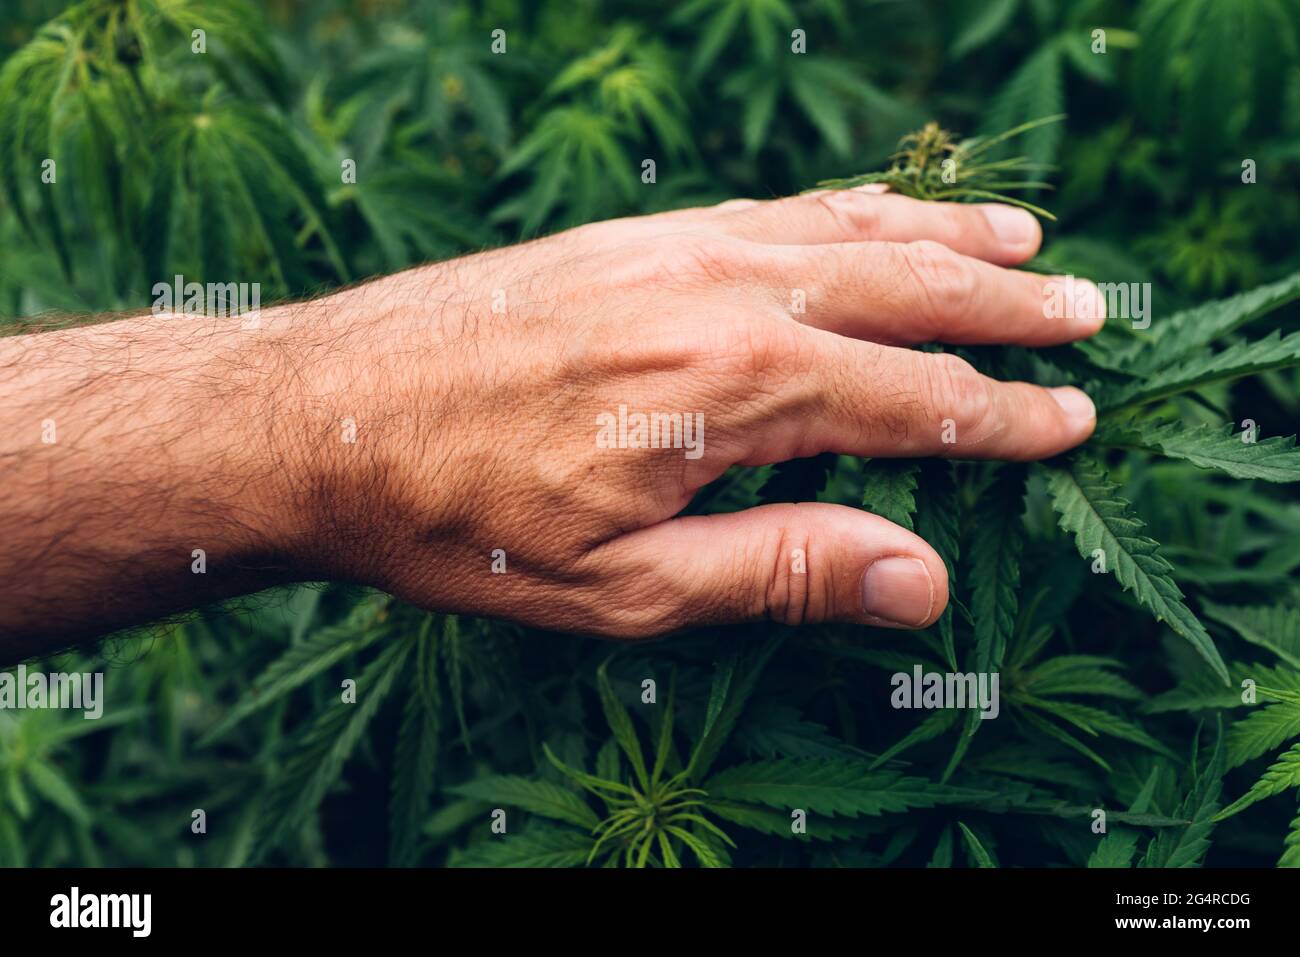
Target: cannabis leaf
[(416, 755), (304, 660), (889, 487), (318, 754), (535, 846), (1262, 731), (834, 787), (1273, 460), (1244, 358), (1100, 520), (1205, 87), (1280, 776), (977, 852), (996, 543), (1190, 330), (1275, 627), (532, 795), (1186, 847)]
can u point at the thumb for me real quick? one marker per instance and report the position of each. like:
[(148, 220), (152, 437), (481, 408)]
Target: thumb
[(792, 564)]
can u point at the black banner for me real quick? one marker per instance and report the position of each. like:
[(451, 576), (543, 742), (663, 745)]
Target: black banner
[(339, 906)]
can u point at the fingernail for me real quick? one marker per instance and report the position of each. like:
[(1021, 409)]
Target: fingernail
[(1012, 226), (1089, 304), (898, 591), (1076, 403)]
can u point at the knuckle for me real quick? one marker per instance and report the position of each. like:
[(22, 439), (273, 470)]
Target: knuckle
[(960, 224), (854, 212), (707, 258), (947, 280), (958, 392), (748, 350)]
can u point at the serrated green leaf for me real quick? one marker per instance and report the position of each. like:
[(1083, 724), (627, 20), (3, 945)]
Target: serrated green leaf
[(937, 521), (1033, 91), (1096, 721), (1193, 329), (779, 824), (664, 750), (889, 487), (734, 681), (1291, 855), (932, 727), (534, 795), (415, 759), (1244, 358), (620, 723), (49, 783), (1116, 849), (1275, 627), (988, 20), (1078, 674), (942, 856), (781, 731), (1186, 847), (842, 787), (1273, 460), (997, 539), (317, 755), (1091, 509), (533, 847), (304, 660), (1261, 731), (1282, 774)]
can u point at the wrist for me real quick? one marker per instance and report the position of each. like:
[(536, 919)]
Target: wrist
[(358, 427)]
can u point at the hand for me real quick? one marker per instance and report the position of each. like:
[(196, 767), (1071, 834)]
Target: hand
[(414, 432), (483, 390)]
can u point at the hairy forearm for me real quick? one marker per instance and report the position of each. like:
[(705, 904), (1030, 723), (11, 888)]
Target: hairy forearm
[(159, 463), (146, 467)]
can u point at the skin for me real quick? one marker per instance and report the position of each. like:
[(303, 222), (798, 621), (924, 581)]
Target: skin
[(475, 427)]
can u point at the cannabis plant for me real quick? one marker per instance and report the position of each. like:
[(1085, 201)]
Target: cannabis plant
[(932, 165)]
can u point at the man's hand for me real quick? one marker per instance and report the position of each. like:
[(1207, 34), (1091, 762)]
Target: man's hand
[(423, 431)]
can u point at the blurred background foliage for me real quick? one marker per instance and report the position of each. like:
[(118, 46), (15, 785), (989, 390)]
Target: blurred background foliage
[(227, 166)]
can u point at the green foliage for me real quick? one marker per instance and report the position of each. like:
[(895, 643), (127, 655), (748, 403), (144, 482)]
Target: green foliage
[(843, 788), (1237, 360), (1273, 460), (1262, 731), (1275, 627), (997, 540), (1106, 530), (978, 854), (889, 489), (1217, 98), (1285, 773), (1186, 846), (1191, 330), (227, 166), (315, 758)]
